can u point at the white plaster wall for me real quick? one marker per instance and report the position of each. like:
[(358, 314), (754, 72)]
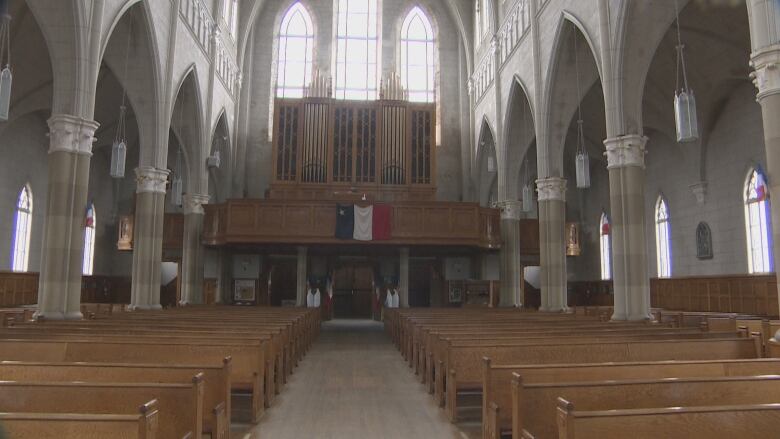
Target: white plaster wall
[(737, 144), (24, 141)]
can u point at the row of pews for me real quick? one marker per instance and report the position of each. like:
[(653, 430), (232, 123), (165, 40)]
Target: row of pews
[(147, 374), (578, 376)]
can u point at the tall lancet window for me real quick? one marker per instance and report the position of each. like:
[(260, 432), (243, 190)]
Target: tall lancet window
[(606, 247), (418, 57), (296, 52), (357, 49), (758, 224), (22, 227), (89, 241), (663, 238)]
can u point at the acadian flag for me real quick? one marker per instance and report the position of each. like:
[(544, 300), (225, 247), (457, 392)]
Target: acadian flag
[(369, 223)]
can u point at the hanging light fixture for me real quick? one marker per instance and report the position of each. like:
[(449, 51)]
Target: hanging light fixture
[(6, 78), (528, 193), (582, 161), (177, 186), (685, 118), (119, 147)]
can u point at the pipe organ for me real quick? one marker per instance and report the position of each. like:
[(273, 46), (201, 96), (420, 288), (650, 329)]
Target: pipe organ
[(333, 149)]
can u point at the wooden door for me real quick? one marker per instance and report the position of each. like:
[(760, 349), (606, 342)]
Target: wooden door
[(420, 283), (352, 292)]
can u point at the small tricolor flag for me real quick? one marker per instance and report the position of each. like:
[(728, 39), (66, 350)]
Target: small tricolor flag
[(89, 220), (363, 223)]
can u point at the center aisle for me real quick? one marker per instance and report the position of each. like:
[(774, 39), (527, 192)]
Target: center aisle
[(353, 384)]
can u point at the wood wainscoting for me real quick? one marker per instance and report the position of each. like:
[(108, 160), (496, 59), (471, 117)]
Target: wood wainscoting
[(18, 288), (739, 293)]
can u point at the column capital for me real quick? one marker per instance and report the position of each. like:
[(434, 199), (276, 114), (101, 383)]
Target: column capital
[(766, 70), (193, 204), (625, 151), (551, 189), (510, 209), (150, 179), (71, 134)]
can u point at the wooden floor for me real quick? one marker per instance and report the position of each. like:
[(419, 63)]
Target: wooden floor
[(353, 384)]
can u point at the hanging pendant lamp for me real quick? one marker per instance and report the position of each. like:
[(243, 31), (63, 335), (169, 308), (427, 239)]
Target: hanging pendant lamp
[(119, 147), (582, 161), (685, 117), (528, 192), (177, 185), (6, 78)]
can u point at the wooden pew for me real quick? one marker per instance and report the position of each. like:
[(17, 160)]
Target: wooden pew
[(142, 425), (534, 405), (715, 422), (216, 381), (465, 359), (180, 405), (122, 334), (496, 383), (246, 364)]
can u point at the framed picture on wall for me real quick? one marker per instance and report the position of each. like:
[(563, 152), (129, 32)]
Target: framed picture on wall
[(456, 294), (244, 291)]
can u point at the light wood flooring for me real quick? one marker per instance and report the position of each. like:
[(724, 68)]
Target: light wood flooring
[(353, 383)]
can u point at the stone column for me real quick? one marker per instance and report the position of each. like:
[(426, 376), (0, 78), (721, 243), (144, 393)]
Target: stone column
[(767, 80), (70, 152), (403, 277), (552, 221), (147, 237), (303, 252), (192, 252), (510, 276), (626, 165)]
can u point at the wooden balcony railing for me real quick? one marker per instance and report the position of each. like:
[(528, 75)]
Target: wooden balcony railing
[(314, 222)]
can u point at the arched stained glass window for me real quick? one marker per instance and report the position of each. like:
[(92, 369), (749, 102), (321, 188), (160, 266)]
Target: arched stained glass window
[(296, 52), (418, 59), (357, 50), (606, 247), (89, 241), (758, 223), (663, 238), (22, 228)]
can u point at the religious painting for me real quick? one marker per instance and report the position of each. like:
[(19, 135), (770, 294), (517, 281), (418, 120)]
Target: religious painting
[(703, 241), (244, 290)]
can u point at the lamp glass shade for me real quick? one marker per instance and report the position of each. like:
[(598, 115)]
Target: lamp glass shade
[(6, 78), (685, 117), (118, 159)]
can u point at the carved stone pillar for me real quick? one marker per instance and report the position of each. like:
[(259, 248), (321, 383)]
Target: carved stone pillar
[(552, 251), (147, 237), (766, 62), (403, 278), (70, 152), (626, 165), (303, 253), (192, 251), (510, 275)]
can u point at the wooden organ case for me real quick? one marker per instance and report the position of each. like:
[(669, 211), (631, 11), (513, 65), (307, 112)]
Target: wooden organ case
[(325, 148)]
